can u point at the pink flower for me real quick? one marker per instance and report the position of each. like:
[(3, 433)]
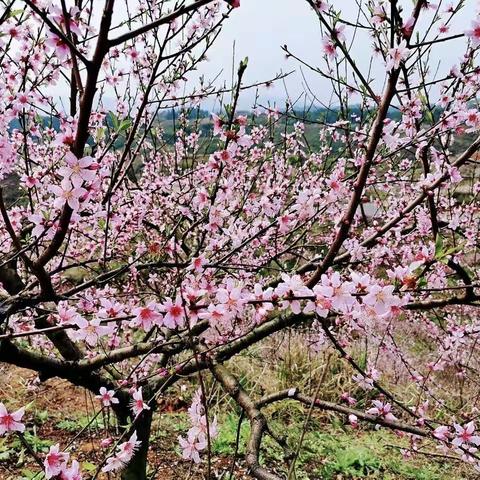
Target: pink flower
[(43, 225), (175, 313), (442, 29), (55, 462), (455, 175), (381, 409), (106, 442), (57, 14), (345, 397), (107, 397), (474, 33), (322, 303), (29, 180), (67, 193), (7, 157), (396, 56), (353, 420), (200, 428), (128, 448), (265, 296), (196, 409), (113, 463), (442, 433), (14, 31), (379, 15), (465, 435), (289, 289), (10, 422), (198, 264), (147, 317), (138, 405), (337, 33), (242, 120), (217, 125), (472, 119), (192, 446), (284, 222), (215, 313), (407, 28), (232, 297), (23, 100), (72, 473), (124, 454), (329, 47), (381, 299), (342, 299), (78, 170), (66, 315), (91, 331), (62, 50), (110, 309), (321, 5)]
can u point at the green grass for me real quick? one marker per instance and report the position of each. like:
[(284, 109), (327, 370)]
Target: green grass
[(83, 422), (364, 455), (332, 452), (225, 443)]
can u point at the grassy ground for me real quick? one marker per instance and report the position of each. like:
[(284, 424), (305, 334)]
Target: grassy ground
[(60, 413)]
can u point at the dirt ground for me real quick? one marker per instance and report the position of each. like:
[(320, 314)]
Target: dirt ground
[(58, 412), (55, 412)]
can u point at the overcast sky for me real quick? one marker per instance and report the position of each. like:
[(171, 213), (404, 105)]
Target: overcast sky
[(260, 27)]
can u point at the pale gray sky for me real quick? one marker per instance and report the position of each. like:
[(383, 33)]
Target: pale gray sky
[(260, 27)]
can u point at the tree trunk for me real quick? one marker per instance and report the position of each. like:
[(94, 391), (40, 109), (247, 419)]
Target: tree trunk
[(137, 468)]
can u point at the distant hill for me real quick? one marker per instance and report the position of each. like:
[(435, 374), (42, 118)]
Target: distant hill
[(313, 119)]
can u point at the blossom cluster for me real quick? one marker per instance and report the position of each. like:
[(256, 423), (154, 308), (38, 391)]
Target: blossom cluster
[(123, 454), (145, 237), (201, 432)]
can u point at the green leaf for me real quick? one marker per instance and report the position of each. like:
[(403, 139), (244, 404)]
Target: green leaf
[(118, 125), (429, 116), (114, 120), (89, 467), (41, 416), (441, 253), (439, 247), (16, 12), (5, 455), (422, 282), (29, 474), (244, 63), (100, 134), (453, 250), (124, 125)]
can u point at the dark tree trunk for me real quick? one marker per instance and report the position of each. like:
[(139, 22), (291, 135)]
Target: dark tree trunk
[(137, 468)]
